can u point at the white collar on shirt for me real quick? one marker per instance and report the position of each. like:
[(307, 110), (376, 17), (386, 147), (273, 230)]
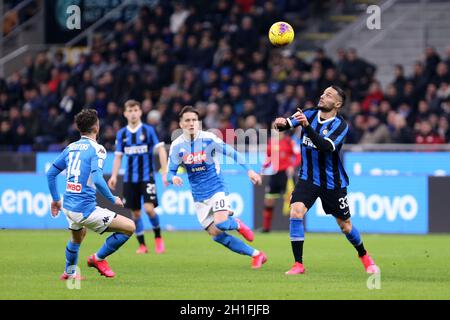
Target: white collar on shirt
[(187, 137), (324, 121), (135, 129), (86, 137)]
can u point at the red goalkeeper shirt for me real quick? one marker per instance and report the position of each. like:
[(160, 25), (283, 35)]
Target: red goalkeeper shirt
[(282, 154)]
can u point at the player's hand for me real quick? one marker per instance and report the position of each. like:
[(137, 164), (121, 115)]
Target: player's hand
[(279, 123), (300, 117), (55, 207), (118, 202), (177, 181), (254, 177), (112, 182), (164, 179)]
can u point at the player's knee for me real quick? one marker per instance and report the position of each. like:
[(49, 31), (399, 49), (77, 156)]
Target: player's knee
[(130, 227), (136, 214), (346, 226), (269, 202), (150, 209), (298, 210), (213, 231)]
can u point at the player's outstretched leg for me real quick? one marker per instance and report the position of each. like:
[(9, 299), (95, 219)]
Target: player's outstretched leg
[(297, 236), (137, 218), (154, 220), (231, 223), (354, 238), (72, 248), (237, 245), (123, 229)]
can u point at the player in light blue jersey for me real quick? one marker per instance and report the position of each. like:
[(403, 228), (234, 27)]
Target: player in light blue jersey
[(83, 161), (196, 150)]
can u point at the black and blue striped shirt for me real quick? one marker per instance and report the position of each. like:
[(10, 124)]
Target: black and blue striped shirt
[(138, 146), (324, 169)]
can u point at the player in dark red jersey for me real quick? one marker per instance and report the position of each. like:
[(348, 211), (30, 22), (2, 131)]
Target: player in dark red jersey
[(283, 156)]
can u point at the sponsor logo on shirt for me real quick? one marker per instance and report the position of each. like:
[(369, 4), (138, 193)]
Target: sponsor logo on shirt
[(136, 150), (307, 142), (198, 169), (73, 187), (193, 158)]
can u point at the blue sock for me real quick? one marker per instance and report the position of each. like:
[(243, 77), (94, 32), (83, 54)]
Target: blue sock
[(139, 226), (229, 224), (112, 244), (234, 244), (154, 221), (296, 229), (71, 256), (354, 237)]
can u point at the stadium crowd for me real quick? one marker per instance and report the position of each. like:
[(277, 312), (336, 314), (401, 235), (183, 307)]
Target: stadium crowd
[(219, 60)]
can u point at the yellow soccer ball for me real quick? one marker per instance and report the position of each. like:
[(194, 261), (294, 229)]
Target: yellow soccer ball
[(281, 34)]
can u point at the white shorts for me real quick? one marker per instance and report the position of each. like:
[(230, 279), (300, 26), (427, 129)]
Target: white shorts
[(205, 209), (98, 221)]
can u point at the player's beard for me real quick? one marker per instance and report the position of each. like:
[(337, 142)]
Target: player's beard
[(325, 108)]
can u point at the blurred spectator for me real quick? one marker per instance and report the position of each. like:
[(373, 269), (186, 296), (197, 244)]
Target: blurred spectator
[(375, 95), (214, 55), (400, 132), (6, 135), (426, 135), (377, 132)]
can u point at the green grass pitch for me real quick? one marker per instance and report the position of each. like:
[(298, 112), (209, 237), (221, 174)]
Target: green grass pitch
[(195, 267)]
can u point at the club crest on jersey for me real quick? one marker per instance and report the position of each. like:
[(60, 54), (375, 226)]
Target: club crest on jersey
[(142, 137), (195, 157), (325, 132)]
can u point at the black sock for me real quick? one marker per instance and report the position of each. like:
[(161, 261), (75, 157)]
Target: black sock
[(157, 232), (361, 250), (297, 250), (140, 239)]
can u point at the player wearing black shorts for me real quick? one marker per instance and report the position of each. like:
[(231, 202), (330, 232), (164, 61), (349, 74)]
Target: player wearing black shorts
[(322, 174), (138, 141)]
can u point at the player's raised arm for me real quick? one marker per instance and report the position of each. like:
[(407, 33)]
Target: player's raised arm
[(174, 163), (97, 162), (328, 142), (57, 167), (283, 124)]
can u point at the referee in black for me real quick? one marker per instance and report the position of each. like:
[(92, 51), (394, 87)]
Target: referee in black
[(322, 174)]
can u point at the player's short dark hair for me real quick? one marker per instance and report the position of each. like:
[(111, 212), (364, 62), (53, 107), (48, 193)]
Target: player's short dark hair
[(132, 103), (187, 109), (341, 93), (86, 120)]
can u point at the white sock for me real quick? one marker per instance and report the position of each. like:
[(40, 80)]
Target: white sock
[(255, 253), (97, 258)]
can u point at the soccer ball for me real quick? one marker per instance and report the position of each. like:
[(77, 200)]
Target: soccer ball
[(281, 34)]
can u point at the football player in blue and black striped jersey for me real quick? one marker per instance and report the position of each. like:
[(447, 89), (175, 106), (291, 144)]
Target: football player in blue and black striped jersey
[(322, 174), (138, 141)]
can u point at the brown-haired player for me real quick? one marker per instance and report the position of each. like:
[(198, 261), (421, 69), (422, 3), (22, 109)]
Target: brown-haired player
[(138, 141), (83, 161)]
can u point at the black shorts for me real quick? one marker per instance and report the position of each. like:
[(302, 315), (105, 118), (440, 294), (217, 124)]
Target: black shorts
[(334, 201), (277, 185), (134, 192)]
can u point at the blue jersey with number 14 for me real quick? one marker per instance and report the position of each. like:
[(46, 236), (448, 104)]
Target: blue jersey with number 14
[(83, 161)]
